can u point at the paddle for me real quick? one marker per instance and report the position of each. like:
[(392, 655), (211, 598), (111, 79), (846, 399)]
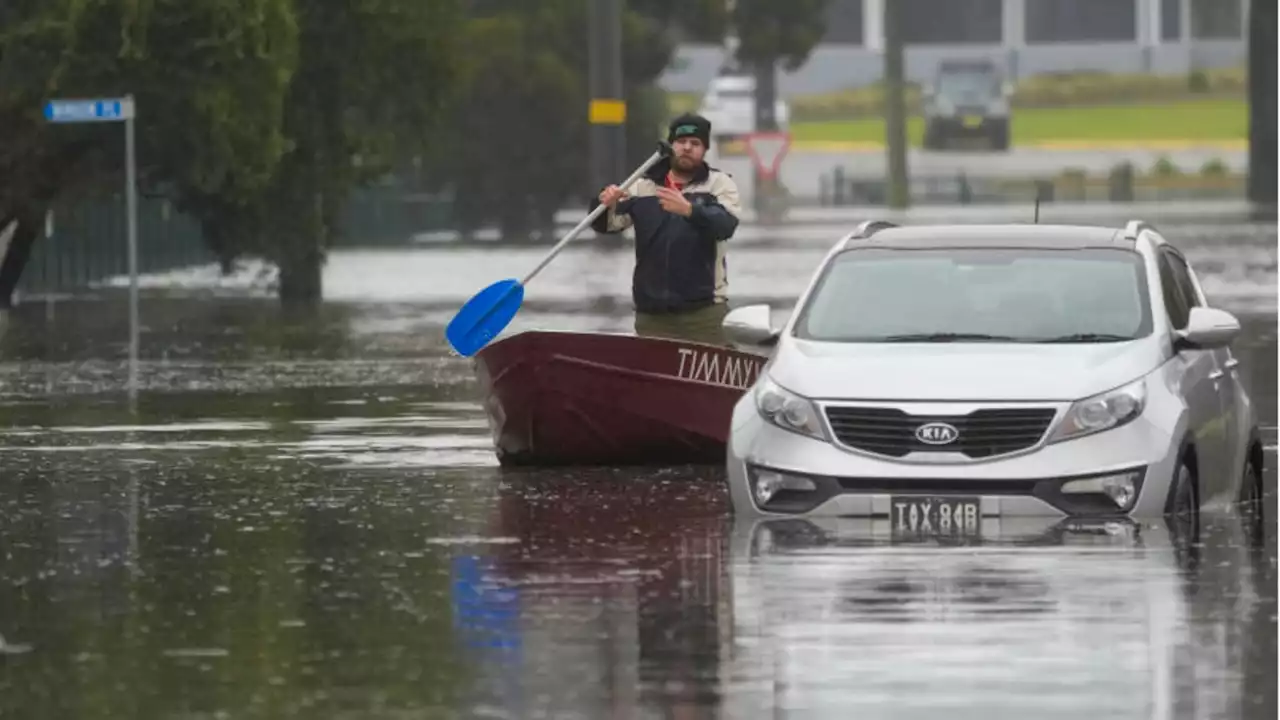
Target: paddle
[(488, 311)]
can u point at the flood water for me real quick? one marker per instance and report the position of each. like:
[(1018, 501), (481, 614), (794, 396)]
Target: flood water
[(305, 519)]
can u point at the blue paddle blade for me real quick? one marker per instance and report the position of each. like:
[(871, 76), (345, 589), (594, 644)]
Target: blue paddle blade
[(484, 316)]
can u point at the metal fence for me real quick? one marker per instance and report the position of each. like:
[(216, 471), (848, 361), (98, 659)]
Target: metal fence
[(84, 241)]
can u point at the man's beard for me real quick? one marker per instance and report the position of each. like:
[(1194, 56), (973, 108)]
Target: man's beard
[(684, 163)]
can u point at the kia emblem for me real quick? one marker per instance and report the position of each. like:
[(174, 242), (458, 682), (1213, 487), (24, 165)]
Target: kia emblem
[(937, 433)]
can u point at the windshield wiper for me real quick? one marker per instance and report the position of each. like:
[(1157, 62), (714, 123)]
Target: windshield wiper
[(1086, 338), (947, 337)]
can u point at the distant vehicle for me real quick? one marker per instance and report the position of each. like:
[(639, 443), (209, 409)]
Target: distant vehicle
[(941, 375), (968, 99), (730, 105)]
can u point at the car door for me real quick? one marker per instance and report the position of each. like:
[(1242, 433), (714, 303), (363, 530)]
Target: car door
[(1225, 377), (1201, 379)]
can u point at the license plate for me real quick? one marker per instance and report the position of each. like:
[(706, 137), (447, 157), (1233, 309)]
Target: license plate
[(921, 516), (972, 122)]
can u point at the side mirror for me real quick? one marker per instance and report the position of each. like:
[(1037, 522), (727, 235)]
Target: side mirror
[(751, 325), (1207, 329)]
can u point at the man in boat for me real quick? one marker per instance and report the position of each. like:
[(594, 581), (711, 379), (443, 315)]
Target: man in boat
[(684, 211)]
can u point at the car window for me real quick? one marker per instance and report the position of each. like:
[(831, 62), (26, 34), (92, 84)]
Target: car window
[(1030, 295), (967, 83), (1182, 275), (1176, 300)]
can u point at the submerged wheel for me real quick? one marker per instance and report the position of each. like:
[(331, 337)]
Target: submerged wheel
[(1184, 509), (1251, 501)]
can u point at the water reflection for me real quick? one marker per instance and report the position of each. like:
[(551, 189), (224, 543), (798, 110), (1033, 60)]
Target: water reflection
[(1120, 622), (621, 583), (225, 585)]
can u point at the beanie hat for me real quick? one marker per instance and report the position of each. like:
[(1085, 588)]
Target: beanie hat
[(690, 125)]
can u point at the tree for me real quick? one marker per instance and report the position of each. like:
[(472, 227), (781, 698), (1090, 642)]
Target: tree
[(519, 151), (208, 77), (769, 33), (372, 83)]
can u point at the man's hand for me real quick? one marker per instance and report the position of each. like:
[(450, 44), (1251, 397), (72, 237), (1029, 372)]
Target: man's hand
[(674, 201), (611, 195)]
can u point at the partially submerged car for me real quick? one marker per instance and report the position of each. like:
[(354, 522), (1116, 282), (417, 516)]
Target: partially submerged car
[(938, 375)]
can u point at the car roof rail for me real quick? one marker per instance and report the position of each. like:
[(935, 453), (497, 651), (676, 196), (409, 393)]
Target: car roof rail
[(866, 229), (1134, 228)]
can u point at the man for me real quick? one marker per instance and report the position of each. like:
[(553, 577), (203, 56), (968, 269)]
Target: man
[(683, 212)]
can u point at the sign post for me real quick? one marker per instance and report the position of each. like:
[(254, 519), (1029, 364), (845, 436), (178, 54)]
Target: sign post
[(767, 149), (114, 110)]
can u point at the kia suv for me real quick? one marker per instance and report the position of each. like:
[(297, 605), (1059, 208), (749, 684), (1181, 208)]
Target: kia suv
[(942, 378)]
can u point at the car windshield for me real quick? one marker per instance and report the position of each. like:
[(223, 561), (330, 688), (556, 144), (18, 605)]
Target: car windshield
[(968, 83), (979, 295)]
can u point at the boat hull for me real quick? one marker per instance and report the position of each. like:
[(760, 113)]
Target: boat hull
[(560, 398)]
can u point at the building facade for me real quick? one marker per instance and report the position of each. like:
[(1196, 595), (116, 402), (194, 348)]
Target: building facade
[(1029, 37)]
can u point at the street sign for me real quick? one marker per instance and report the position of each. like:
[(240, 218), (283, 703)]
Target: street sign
[(100, 110), (94, 110), (767, 150)]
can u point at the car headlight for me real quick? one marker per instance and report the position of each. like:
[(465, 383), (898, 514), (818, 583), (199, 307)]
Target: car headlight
[(787, 410), (1101, 412)]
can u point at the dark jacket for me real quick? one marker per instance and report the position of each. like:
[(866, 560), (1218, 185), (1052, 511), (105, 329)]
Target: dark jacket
[(680, 262)]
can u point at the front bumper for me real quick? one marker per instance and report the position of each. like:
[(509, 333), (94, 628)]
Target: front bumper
[(753, 537), (966, 125), (852, 484)]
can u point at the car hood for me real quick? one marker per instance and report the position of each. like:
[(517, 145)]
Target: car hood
[(959, 371)]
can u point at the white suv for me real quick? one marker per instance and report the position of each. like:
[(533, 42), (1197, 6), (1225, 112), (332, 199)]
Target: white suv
[(944, 377)]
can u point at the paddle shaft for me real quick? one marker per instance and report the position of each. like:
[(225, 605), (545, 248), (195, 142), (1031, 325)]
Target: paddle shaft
[(586, 221)]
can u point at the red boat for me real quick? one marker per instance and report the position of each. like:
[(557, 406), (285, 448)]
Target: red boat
[(560, 398)]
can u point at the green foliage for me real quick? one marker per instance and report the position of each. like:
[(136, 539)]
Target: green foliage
[(1215, 167), (256, 116), (371, 86), (787, 31), (1164, 167), (208, 77), (520, 142)]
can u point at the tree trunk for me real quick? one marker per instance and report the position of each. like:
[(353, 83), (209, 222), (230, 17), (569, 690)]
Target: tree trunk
[(513, 220), (895, 111), (1262, 103), (302, 258), (300, 277), (30, 222), (765, 187), (44, 179), (766, 95)]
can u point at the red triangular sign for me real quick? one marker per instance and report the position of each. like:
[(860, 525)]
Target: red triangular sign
[(767, 150)]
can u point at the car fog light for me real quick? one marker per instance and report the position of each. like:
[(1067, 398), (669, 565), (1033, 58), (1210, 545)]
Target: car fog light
[(1122, 488), (769, 483)]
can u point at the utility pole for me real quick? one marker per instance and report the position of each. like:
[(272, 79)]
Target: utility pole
[(895, 115), (1262, 104), (607, 112)]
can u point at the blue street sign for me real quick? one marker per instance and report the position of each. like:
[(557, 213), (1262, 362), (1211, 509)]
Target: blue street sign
[(81, 111)]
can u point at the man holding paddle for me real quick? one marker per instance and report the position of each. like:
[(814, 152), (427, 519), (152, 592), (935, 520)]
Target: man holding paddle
[(683, 211)]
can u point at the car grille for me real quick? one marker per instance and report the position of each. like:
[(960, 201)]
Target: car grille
[(981, 434)]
